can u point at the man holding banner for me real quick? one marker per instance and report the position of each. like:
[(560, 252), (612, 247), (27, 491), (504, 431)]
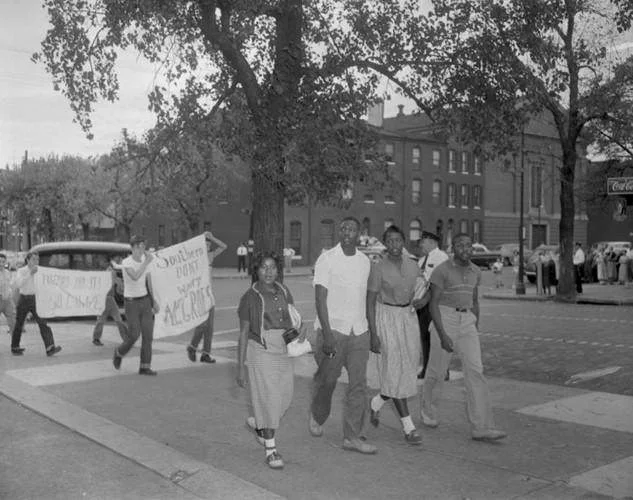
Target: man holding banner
[(25, 283), (139, 305)]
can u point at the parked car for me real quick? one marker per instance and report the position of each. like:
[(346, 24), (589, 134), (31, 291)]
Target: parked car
[(507, 252), (83, 255), (483, 257), (530, 267)]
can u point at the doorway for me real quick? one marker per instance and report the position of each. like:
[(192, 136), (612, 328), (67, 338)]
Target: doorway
[(539, 234)]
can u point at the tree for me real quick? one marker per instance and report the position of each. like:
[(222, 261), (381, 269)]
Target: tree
[(498, 62), (290, 78)]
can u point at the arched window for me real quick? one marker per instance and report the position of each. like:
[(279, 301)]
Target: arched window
[(415, 230), (295, 236), (327, 234)]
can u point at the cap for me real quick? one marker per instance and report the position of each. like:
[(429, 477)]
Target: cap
[(431, 236), (137, 239)]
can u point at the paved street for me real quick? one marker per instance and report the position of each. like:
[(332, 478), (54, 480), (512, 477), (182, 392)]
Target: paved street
[(183, 432)]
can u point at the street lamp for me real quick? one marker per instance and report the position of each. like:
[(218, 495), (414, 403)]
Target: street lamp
[(520, 286)]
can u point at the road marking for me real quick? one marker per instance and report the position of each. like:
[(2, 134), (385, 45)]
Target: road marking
[(598, 409), (548, 339), (590, 375), (614, 480), (563, 318)]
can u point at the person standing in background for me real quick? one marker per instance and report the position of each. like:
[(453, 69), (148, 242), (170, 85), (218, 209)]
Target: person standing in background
[(242, 252), (289, 253), (250, 246), (7, 307), (111, 307), (205, 329), (579, 263)]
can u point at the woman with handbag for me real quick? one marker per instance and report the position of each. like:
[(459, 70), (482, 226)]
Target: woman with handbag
[(265, 319), (391, 316)]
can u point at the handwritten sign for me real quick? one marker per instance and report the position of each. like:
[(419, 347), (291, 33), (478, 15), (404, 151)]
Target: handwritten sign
[(66, 292), (180, 279)]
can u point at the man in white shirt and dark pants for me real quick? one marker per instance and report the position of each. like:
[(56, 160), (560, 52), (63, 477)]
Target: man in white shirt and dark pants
[(7, 307), (25, 283), (433, 258), (343, 339), (579, 263)]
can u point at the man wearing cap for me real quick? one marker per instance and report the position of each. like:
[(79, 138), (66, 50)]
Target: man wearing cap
[(454, 309), (139, 305), (433, 258)]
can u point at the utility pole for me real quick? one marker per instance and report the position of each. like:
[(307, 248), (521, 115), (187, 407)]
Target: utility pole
[(520, 286)]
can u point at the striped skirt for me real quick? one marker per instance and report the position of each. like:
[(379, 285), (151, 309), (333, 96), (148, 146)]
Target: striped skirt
[(271, 379), (399, 333)]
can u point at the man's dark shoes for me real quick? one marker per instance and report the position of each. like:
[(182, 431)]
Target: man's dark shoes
[(17, 351), (205, 358), (146, 371), (97, 342), (53, 350), (374, 417), (116, 360), (191, 353)]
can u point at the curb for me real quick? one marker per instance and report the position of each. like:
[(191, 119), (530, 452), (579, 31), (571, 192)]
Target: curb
[(579, 300)]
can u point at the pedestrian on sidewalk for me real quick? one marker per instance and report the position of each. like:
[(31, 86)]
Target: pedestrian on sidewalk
[(25, 284), (497, 269), (342, 336), (7, 307), (264, 317), (579, 263), (623, 270), (140, 306), (205, 329), (289, 253), (601, 265), (111, 307), (394, 330), (434, 257), (242, 252), (455, 313)]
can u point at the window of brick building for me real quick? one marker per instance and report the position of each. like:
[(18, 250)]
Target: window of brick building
[(416, 191), (476, 196), (437, 158), (437, 192), (463, 195), (389, 152), (369, 199), (327, 233), (463, 226), (415, 156), (536, 196), (415, 230), (295, 236), (464, 162), (476, 231), (477, 165), (389, 199), (451, 161), (451, 194)]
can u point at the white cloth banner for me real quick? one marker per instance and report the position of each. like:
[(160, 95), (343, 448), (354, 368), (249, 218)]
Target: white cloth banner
[(181, 286), (66, 292)]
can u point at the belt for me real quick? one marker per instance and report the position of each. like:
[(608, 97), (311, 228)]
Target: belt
[(396, 305), (137, 298), (461, 309)]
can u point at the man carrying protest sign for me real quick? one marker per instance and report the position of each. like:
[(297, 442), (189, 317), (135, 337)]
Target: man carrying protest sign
[(25, 283), (139, 305)]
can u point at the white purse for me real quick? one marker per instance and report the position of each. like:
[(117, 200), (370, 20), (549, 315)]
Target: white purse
[(297, 348)]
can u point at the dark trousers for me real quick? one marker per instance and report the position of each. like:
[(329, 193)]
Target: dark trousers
[(140, 321), (241, 263), (578, 274), (204, 331), (352, 352), (111, 311), (424, 320), (26, 305)]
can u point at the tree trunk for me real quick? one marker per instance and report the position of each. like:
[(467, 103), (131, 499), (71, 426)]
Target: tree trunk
[(85, 231), (566, 284), (268, 215)]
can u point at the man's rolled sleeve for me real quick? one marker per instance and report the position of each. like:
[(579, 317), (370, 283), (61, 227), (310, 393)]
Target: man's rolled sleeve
[(322, 271)]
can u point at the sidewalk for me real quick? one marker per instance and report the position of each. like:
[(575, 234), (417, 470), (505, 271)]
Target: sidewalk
[(182, 435), (593, 293)]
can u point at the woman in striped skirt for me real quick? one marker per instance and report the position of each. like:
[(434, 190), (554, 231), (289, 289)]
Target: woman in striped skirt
[(264, 317), (394, 330)]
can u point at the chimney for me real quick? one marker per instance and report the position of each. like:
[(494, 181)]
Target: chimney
[(400, 110), (376, 113)]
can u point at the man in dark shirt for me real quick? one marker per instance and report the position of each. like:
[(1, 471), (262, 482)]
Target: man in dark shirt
[(455, 313)]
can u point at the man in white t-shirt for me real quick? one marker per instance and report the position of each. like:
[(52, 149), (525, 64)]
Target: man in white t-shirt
[(579, 263), (140, 307), (343, 340), (289, 253)]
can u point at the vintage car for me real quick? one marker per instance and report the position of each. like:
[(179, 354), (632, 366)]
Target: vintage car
[(507, 252), (483, 257)]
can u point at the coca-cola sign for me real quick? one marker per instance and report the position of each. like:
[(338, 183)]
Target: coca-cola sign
[(620, 185)]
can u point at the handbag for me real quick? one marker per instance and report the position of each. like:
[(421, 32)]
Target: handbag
[(291, 336)]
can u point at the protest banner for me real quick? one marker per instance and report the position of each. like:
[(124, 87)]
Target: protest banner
[(181, 286), (68, 292)]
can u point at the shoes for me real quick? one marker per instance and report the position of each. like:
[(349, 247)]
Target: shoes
[(116, 360), (428, 421), (17, 351), (97, 342), (488, 435), (374, 417), (252, 426), (191, 353), (275, 461), (359, 446), (205, 358), (54, 350), (315, 429), (413, 438), (147, 371)]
